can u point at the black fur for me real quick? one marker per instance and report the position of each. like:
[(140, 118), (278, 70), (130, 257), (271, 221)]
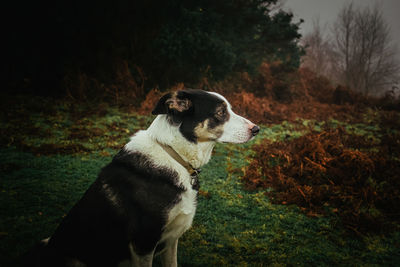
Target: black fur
[(204, 106), (98, 229)]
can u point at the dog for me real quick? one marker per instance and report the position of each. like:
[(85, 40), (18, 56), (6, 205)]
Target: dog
[(145, 199)]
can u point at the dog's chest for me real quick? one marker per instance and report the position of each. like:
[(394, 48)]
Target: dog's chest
[(180, 217)]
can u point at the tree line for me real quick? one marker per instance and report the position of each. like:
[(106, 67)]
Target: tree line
[(161, 42)]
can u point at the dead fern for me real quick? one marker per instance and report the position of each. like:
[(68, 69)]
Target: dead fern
[(327, 173)]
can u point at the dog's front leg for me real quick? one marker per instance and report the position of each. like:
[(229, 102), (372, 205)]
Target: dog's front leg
[(142, 261), (139, 260), (169, 256)]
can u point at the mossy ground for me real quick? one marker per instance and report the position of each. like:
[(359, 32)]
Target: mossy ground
[(51, 152)]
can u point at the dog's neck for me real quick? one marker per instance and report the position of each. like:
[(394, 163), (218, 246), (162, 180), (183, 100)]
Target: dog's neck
[(196, 154)]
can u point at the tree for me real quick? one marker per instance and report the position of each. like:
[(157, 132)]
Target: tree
[(319, 55), (365, 55), (215, 38), (170, 41)]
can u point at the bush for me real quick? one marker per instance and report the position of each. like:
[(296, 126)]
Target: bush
[(126, 88), (333, 172)]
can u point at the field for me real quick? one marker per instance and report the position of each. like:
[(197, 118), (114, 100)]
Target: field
[(51, 151)]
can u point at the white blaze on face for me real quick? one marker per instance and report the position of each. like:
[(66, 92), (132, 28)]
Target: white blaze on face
[(237, 129)]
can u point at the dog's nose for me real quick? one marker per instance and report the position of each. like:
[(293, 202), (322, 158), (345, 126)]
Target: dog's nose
[(255, 130)]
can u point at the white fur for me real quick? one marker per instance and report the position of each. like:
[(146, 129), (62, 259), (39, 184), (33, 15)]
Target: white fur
[(237, 129), (164, 132), (142, 261)]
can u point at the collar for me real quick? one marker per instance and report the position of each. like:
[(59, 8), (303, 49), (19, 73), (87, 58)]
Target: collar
[(194, 173)]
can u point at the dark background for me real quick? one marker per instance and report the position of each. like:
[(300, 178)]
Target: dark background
[(160, 42)]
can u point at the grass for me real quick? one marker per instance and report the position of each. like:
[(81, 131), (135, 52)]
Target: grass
[(49, 156)]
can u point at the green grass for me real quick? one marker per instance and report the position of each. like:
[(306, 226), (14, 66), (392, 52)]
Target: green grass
[(232, 227)]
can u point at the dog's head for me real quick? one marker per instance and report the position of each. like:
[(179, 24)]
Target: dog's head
[(205, 116)]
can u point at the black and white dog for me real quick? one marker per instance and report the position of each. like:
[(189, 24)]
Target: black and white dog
[(145, 199)]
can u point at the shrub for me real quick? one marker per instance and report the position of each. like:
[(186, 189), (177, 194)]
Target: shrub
[(126, 88), (149, 102), (333, 172)]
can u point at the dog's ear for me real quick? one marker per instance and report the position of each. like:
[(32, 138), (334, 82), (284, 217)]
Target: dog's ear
[(161, 107), (173, 103)]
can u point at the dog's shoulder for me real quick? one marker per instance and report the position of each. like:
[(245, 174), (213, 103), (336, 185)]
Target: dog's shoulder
[(136, 164), (134, 176)]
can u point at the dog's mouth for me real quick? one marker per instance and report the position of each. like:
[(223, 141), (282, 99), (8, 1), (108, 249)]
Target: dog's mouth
[(240, 140)]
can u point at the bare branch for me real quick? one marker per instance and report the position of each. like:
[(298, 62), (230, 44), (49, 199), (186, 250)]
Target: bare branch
[(366, 58)]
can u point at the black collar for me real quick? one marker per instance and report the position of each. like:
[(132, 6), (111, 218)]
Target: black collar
[(194, 173)]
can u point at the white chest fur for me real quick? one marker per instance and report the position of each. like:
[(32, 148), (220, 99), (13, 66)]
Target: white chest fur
[(180, 217)]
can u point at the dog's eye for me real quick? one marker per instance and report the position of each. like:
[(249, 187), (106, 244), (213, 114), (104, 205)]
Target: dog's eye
[(221, 114)]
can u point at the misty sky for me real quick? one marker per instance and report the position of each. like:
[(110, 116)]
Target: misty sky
[(327, 11)]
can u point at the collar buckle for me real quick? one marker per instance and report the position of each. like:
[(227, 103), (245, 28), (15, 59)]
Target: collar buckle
[(194, 179)]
